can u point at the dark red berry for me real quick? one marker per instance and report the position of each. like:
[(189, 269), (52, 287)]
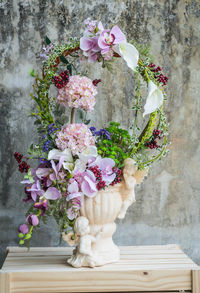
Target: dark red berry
[(96, 81)]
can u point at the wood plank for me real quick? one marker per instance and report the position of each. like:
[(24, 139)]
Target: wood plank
[(4, 282), (59, 263), (196, 281), (98, 281)]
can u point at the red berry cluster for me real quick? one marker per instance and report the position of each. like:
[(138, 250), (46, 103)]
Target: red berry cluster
[(23, 166), (160, 77), (153, 143), (96, 81), (18, 157), (118, 177), (61, 80), (97, 173)]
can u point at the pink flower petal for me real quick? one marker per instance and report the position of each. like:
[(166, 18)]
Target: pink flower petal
[(42, 172), (118, 34), (52, 193), (74, 195), (73, 187), (109, 178)]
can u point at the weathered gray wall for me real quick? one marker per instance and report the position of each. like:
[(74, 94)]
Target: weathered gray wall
[(167, 206)]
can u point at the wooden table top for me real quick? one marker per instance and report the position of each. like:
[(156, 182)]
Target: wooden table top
[(132, 258), (44, 269)]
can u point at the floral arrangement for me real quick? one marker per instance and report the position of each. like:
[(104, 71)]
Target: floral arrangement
[(76, 160)]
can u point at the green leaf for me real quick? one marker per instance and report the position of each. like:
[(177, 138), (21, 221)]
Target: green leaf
[(20, 235), (28, 236), (21, 242), (32, 73), (63, 59), (69, 67), (47, 40)]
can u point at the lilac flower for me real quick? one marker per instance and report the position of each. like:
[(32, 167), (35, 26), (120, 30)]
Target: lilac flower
[(47, 50), (100, 132), (32, 220), (46, 146), (23, 229), (43, 161), (92, 129), (91, 25), (51, 128), (108, 38), (41, 205)]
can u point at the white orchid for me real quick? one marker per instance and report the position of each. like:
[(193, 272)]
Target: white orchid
[(130, 54), (64, 157), (154, 99), (89, 154), (56, 154)]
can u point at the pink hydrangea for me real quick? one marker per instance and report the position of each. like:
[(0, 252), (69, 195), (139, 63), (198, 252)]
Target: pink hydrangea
[(79, 92), (75, 136)]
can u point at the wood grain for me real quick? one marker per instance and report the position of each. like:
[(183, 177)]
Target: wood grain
[(141, 268), (4, 282), (196, 281)]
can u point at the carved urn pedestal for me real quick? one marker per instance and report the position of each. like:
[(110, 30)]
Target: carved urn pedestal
[(96, 225)]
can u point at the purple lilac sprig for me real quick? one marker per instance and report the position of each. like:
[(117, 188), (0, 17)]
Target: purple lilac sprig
[(47, 50), (102, 132)]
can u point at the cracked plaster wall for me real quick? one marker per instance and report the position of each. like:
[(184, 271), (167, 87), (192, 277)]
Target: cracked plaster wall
[(167, 209)]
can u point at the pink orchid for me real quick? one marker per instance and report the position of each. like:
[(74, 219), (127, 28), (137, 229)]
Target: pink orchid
[(56, 168), (109, 38), (106, 166), (73, 190), (72, 212), (35, 190), (52, 193), (90, 48), (43, 174), (88, 185), (74, 209)]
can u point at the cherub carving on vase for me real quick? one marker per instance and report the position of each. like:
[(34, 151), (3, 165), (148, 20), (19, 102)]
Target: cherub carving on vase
[(83, 254), (132, 176)]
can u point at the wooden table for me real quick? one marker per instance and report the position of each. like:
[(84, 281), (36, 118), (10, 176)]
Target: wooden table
[(141, 268)]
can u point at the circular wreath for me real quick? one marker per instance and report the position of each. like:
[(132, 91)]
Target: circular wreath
[(77, 160)]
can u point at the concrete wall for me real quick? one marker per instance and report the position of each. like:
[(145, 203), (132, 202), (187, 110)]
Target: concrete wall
[(167, 206)]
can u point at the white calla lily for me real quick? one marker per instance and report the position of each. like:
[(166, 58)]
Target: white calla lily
[(68, 166), (154, 99), (130, 54), (56, 154)]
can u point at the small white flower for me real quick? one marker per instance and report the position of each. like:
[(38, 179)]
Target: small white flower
[(154, 99)]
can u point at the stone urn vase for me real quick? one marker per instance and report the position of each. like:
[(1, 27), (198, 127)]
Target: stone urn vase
[(96, 225)]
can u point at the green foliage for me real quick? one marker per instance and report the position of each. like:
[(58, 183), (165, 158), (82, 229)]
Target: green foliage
[(117, 148), (144, 50)]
